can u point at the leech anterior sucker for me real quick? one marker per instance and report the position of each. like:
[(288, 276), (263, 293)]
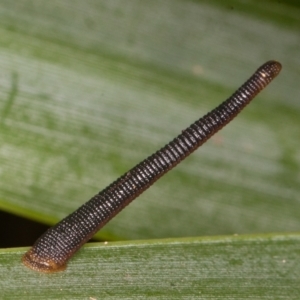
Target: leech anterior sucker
[(56, 246)]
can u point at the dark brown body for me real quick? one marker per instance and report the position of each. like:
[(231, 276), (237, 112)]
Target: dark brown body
[(55, 247)]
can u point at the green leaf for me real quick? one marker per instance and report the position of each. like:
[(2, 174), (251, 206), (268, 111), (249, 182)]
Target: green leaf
[(246, 267), (89, 89)]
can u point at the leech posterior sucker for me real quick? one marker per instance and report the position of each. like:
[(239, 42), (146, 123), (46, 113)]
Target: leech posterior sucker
[(56, 246)]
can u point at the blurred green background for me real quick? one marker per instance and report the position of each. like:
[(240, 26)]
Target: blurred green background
[(90, 88)]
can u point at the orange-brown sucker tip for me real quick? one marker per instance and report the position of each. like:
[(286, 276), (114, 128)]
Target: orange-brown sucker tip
[(33, 261)]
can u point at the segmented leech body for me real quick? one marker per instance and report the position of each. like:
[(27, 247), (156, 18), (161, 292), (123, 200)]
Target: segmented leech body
[(56, 246)]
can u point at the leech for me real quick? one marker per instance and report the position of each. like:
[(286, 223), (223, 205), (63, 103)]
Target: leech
[(56, 246)]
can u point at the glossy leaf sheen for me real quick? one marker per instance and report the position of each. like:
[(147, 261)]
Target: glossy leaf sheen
[(86, 94)]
